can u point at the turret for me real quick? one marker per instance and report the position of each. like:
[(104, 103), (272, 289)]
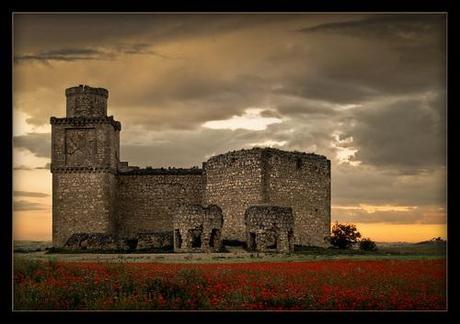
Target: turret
[(85, 148), (85, 101)]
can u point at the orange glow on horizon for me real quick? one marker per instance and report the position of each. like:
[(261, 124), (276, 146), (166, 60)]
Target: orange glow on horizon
[(383, 232)]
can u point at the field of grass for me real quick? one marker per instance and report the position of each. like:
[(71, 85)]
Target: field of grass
[(428, 250), (307, 285)]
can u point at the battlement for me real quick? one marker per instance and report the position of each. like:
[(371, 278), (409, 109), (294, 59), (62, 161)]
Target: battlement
[(85, 89), (82, 169), (84, 121)]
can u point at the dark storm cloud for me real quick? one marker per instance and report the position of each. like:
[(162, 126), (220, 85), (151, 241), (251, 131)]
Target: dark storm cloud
[(377, 185), (377, 79), (82, 54), (27, 205), (67, 54), (37, 143), (408, 135), (389, 27), (363, 59), (32, 31), (29, 194), (185, 99)]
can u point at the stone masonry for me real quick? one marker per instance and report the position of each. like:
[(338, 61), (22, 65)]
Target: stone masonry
[(269, 228), (98, 198), (197, 228)]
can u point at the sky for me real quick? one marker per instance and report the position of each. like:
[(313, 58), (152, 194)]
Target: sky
[(366, 90)]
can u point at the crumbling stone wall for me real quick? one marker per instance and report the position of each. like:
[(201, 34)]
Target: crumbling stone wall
[(154, 240), (147, 198), (91, 241), (233, 182), (197, 228), (237, 180), (93, 192), (269, 228), (303, 182)]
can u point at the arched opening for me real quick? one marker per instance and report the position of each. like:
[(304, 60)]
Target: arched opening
[(213, 240), (132, 243), (252, 245), (177, 239), (290, 240), (273, 239), (196, 238)]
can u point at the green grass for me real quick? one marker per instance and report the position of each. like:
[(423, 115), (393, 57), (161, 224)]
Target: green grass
[(426, 250)]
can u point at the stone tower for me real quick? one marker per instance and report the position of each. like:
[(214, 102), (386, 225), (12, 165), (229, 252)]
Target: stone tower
[(85, 154)]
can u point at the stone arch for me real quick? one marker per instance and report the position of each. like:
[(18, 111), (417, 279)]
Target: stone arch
[(269, 228), (201, 227)]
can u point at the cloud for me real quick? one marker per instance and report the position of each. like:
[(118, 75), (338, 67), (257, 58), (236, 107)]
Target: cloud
[(22, 168), (403, 30), (67, 54), (82, 54), (22, 205), (103, 29), (37, 143), (407, 134), (369, 84), (47, 166), (414, 215), (252, 119), (29, 194)]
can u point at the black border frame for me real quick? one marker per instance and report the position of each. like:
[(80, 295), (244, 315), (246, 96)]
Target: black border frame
[(325, 6)]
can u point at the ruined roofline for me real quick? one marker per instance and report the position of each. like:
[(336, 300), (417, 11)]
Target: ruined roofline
[(163, 171), (270, 150), (85, 89)]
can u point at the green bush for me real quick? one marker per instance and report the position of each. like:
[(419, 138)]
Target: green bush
[(344, 236), (366, 244)]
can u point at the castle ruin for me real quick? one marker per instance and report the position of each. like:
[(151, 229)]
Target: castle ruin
[(97, 198)]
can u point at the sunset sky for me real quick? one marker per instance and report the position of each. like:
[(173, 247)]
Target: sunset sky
[(368, 91)]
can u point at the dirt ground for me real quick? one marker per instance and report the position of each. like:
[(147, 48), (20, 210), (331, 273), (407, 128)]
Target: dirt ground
[(36, 251)]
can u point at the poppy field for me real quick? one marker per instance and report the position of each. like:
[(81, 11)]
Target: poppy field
[(310, 285)]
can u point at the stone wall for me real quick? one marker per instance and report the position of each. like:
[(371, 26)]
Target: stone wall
[(234, 182), (301, 181), (91, 241), (147, 199), (269, 228), (198, 228), (83, 143), (93, 192), (83, 202), (86, 101), (239, 179), (85, 156)]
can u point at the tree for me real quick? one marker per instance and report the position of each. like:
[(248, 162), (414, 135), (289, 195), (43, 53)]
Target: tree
[(366, 244), (344, 236)]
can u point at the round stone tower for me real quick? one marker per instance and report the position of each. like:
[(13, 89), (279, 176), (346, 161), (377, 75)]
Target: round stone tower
[(85, 101)]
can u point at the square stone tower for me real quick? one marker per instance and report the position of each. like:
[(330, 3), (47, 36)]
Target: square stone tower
[(85, 150)]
